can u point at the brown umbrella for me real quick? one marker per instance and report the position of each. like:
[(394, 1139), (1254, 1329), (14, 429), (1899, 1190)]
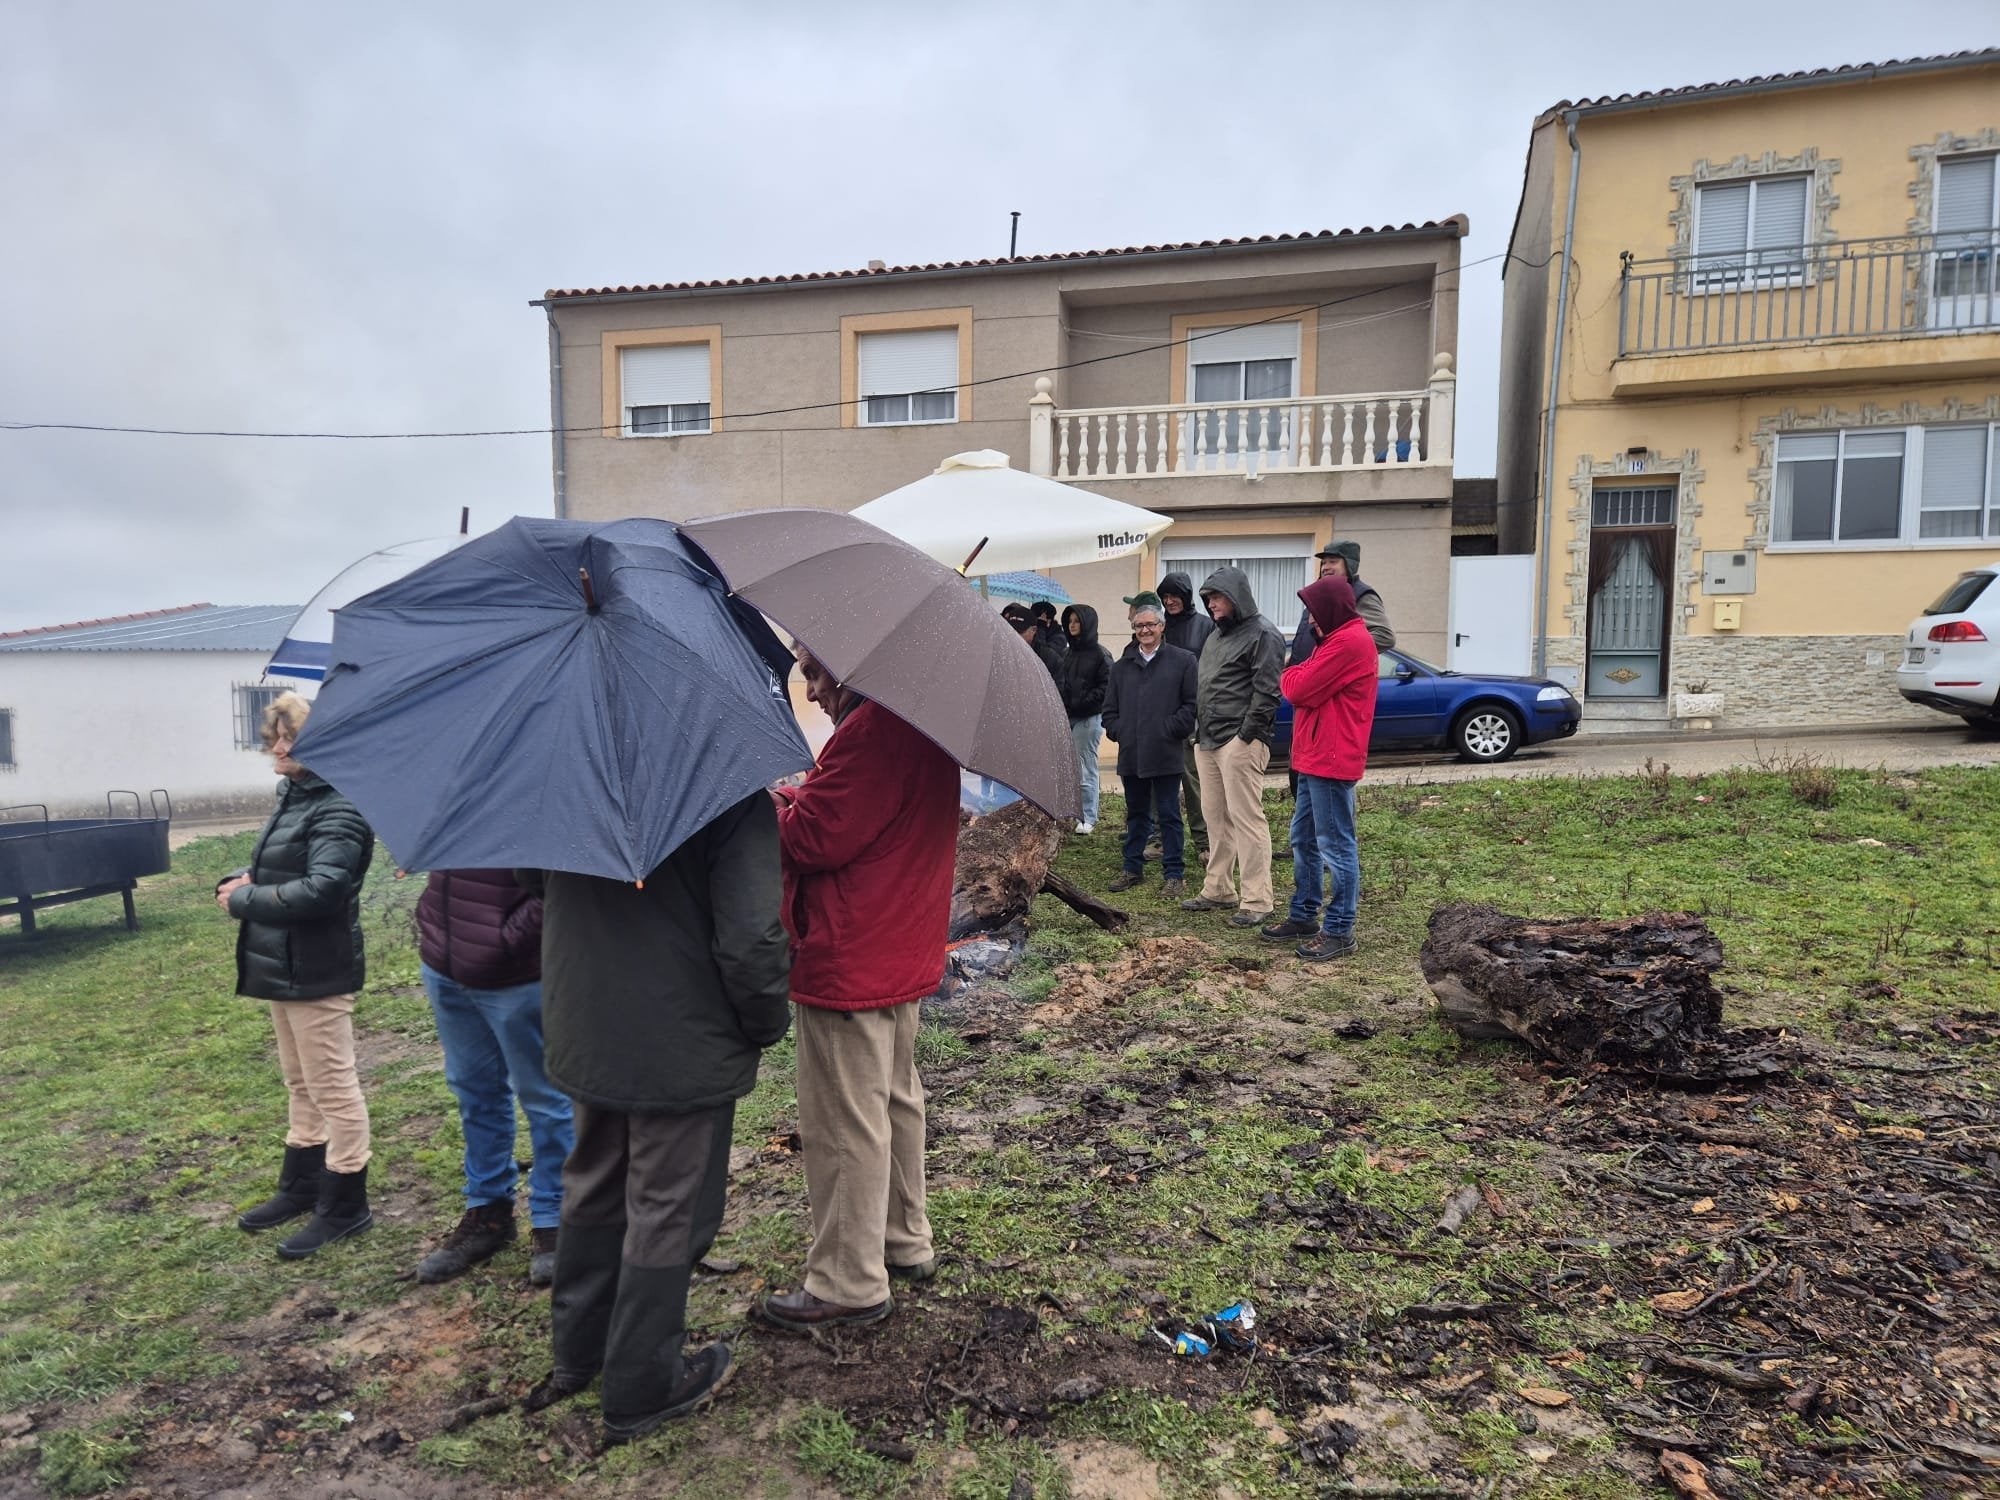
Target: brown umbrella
[(909, 633)]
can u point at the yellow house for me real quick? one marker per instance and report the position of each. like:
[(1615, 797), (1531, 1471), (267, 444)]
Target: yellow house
[(1753, 431)]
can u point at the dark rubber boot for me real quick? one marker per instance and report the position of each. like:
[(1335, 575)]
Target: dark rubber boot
[(482, 1233), (643, 1368), (342, 1210), (298, 1190), (586, 1287), (703, 1373)]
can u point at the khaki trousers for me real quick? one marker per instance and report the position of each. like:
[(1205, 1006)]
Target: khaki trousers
[(316, 1055), (1197, 825), (1239, 837), (861, 1120)]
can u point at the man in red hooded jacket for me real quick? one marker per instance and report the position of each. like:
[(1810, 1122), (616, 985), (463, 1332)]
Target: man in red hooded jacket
[(1332, 694), (869, 841)]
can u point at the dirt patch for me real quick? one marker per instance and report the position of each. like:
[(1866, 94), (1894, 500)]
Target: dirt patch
[(1152, 963), (1109, 1471)]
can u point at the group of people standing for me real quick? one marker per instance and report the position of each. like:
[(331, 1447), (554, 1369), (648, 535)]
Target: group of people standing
[(626, 1019), (1192, 705)]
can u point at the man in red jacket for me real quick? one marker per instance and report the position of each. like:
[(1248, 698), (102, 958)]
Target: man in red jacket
[(869, 841), (1332, 694)]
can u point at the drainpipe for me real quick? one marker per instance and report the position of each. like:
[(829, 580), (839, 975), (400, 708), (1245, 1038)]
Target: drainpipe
[(1546, 544), (556, 414)]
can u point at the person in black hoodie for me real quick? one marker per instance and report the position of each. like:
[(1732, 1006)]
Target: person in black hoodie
[(1085, 675), (1189, 628), (1047, 630), (1049, 655)]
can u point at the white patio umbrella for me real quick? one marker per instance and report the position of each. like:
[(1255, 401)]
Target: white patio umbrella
[(303, 652), (1029, 523)]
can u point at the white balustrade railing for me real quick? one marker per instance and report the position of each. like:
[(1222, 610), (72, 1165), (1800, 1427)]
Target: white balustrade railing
[(1301, 434)]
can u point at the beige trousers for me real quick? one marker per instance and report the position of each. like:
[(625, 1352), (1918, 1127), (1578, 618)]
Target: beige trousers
[(1239, 836), (861, 1119), (316, 1055)]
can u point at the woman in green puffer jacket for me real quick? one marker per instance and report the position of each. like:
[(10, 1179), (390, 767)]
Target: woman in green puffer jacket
[(299, 947)]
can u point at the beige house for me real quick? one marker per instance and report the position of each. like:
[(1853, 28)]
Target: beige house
[(1266, 393)]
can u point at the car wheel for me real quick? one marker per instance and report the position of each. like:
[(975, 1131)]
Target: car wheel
[(1487, 733)]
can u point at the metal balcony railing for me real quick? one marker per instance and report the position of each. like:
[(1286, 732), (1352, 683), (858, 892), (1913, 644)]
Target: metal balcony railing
[(1846, 291)]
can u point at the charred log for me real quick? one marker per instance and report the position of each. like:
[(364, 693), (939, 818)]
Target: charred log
[(1630, 994), (1004, 862)]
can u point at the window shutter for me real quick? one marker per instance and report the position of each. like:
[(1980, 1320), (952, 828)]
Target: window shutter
[(1781, 213), (1723, 215), (664, 375), (1230, 345), (1793, 447), (1965, 195), (897, 364), (1955, 472)]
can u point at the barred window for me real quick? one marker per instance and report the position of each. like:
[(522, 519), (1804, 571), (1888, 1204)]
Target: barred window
[(252, 698), (1614, 506)]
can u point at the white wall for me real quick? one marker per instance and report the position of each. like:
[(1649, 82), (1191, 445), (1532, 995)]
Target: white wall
[(88, 721)]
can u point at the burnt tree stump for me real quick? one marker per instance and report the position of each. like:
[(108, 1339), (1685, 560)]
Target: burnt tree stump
[(1004, 862), (1632, 994)]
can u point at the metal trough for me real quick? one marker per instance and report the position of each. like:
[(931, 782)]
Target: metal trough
[(48, 861)]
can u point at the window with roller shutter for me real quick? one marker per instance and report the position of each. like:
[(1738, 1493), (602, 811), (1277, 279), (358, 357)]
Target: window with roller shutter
[(666, 389), (907, 376), (1750, 232), (1967, 256)]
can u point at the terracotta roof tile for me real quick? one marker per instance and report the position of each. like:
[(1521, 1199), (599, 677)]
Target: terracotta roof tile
[(1455, 226), (1845, 72)]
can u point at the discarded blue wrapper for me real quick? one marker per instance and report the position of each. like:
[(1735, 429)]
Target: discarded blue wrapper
[(1193, 1345), (1234, 1327)]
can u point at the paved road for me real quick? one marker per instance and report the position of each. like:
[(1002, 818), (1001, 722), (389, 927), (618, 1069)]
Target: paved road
[(1893, 749)]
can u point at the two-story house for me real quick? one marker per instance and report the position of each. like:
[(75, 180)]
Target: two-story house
[(1752, 431), (1268, 394)]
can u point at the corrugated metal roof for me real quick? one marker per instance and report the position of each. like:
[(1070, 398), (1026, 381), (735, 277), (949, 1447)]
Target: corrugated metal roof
[(1847, 73), (187, 627), (1455, 226)]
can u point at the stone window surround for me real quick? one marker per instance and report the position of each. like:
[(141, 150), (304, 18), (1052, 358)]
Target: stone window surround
[(1688, 475), (1763, 478), (1819, 209), (1923, 187)]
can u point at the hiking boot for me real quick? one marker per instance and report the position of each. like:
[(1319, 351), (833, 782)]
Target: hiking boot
[(802, 1312), (1289, 930), (1326, 945), (1127, 880), (703, 1374), (298, 1190), (923, 1270), (342, 1210), (1247, 918), (483, 1230), (542, 1256), (1173, 889), (1202, 903)]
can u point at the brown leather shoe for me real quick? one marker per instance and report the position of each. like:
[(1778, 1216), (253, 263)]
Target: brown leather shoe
[(802, 1312)]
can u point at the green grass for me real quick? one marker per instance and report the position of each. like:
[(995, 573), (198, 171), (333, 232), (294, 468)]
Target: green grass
[(143, 1109)]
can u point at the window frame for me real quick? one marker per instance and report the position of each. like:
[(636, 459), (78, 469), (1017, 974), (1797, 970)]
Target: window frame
[(615, 417), (1743, 276), (1909, 513), (7, 751), (249, 726), (853, 405)]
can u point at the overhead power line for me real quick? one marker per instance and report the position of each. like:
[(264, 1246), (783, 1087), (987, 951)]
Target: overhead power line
[(600, 428)]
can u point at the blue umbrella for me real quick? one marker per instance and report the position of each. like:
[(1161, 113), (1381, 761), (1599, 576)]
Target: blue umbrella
[(560, 695)]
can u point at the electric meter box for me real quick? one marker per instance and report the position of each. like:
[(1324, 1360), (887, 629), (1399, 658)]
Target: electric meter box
[(1729, 572)]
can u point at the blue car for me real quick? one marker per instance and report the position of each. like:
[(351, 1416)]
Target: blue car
[(1480, 718)]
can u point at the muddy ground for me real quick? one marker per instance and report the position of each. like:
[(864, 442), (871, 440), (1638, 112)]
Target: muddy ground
[(1821, 1309)]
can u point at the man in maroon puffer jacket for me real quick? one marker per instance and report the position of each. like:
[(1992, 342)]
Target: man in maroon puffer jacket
[(869, 841), (481, 943)]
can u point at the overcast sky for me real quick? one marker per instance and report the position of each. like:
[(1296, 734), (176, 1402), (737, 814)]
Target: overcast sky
[(274, 216)]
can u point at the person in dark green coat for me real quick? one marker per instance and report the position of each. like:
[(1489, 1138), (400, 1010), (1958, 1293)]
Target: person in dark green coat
[(298, 945), (658, 999)]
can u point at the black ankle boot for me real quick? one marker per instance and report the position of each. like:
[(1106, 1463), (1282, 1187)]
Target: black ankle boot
[(342, 1210), (298, 1190)]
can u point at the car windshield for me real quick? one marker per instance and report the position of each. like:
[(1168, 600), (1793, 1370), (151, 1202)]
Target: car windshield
[(1388, 665), (1957, 599)]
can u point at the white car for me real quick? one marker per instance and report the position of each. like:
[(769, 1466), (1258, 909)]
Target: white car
[(1951, 658)]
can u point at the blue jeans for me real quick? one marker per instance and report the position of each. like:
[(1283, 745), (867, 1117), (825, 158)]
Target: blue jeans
[(1087, 735), (1323, 844), (493, 1055), (1142, 795)]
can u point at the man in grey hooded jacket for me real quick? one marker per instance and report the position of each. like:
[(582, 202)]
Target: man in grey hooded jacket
[(1236, 702)]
